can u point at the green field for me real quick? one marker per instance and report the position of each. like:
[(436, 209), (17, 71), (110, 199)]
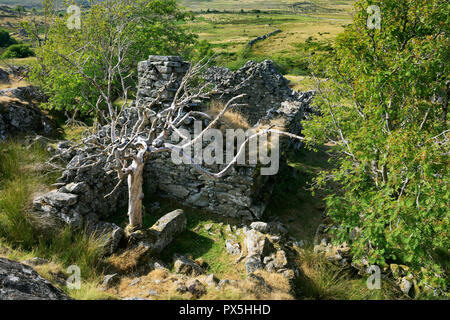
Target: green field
[(230, 25)]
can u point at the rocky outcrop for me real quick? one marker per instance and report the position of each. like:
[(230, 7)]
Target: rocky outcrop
[(21, 282), (19, 115), (263, 253)]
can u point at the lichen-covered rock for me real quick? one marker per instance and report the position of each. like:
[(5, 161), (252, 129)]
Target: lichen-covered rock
[(232, 248), (196, 288), (258, 244), (21, 282), (167, 228), (186, 266), (18, 115), (253, 263)]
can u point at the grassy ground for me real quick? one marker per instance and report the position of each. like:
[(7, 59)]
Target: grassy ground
[(22, 235), (273, 5), (230, 33), (229, 30)]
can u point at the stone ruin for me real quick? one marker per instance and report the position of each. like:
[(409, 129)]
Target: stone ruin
[(19, 113), (243, 193)]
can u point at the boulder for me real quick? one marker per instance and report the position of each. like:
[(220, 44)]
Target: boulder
[(196, 288), (166, 229), (232, 247), (253, 263), (186, 266), (262, 227), (223, 283), (21, 282), (19, 115), (57, 199), (258, 244)]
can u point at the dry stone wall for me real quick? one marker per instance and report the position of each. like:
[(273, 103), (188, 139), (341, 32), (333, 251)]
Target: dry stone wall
[(243, 193)]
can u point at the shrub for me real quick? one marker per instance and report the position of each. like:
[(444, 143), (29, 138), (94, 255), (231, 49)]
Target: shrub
[(18, 51), (5, 39), (385, 110)]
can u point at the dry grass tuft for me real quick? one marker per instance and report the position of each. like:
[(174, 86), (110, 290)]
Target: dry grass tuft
[(8, 99), (128, 261), (230, 120)]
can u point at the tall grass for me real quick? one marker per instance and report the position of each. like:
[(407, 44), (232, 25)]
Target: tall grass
[(22, 176), (322, 280)]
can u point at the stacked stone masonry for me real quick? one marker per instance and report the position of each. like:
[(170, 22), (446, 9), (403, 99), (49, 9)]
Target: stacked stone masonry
[(243, 193)]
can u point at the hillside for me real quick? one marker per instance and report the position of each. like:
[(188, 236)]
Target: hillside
[(283, 5), (234, 5)]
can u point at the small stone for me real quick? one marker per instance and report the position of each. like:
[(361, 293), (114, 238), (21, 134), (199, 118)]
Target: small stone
[(223, 283), (158, 265), (152, 292), (262, 227), (181, 288), (232, 248), (135, 281), (110, 280), (405, 285), (211, 280), (196, 288), (288, 274), (280, 259), (253, 263)]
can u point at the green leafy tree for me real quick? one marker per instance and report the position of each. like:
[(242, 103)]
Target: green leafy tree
[(384, 108), (112, 32)]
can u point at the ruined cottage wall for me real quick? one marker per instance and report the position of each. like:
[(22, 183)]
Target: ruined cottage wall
[(237, 195), (243, 193)]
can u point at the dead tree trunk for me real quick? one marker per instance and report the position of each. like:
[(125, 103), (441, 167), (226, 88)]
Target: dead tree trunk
[(135, 181)]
